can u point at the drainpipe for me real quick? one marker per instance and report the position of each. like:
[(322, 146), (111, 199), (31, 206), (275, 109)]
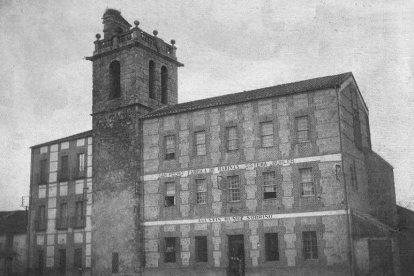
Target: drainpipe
[(348, 210)]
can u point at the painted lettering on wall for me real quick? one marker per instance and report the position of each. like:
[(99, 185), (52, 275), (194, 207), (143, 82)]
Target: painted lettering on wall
[(235, 218), (220, 169)]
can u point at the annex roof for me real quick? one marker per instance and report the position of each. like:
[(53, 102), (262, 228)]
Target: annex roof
[(13, 222), (267, 92), (68, 138)]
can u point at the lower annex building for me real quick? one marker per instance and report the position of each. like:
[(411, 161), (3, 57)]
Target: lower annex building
[(276, 180)]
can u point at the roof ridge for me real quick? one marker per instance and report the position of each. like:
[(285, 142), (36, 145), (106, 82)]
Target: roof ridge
[(270, 91)]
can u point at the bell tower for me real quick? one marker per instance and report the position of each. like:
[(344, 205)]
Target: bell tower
[(134, 73)]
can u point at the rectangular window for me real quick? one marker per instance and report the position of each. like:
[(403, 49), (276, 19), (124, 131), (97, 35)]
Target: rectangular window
[(232, 138), (201, 248), (115, 262), (169, 194), (169, 144), (310, 245), (306, 179), (63, 216), (80, 168), (354, 176), (79, 209), (62, 261), (200, 142), (170, 249), (40, 261), (79, 219), (266, 134), (357, 129), (43, 171), (64, 168), (41, 218), (77, 257), (302, 129), (269, 185), (201, 193), (234, 187), (272, 247)]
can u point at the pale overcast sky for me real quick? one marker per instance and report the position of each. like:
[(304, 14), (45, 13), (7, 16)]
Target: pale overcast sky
[(226, 46)]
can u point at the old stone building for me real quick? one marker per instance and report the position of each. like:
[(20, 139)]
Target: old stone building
[(276, 180), (13, 248)]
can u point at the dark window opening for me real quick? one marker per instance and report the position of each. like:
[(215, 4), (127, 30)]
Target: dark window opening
[(170, 249), (151, 80), (269, 185), (201, 248), (115, 79), (40, 223), (164, 85), (115, 262), (169, 194), (272, 247), (310, 245), (62, 221), (169, 145), (43, 171), (40, 261), (64, 168), (357, 130), (77, 257), (354, 181), (62, 261), (78, 220)]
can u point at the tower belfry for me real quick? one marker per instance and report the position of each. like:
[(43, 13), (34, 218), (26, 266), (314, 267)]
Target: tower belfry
[(134, 73)]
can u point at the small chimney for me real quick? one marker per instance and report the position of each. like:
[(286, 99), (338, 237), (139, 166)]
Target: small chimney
[(114, 23)]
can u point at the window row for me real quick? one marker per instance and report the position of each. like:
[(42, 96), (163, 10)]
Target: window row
[(63, 220), (302, 129), (79, 171), (61, 264), (271, 250), (233, 185)]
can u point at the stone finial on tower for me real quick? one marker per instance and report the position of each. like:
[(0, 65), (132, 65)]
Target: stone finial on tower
[(114, 23)]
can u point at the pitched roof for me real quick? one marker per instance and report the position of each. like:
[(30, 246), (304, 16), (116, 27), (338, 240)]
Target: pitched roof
[(267, 92), (68, 138), (13, 222)]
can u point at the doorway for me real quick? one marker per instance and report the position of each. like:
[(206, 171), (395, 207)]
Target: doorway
[(236, 255)]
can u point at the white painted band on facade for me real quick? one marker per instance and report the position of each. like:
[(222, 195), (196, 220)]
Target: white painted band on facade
[(246, 218), (246, 166)]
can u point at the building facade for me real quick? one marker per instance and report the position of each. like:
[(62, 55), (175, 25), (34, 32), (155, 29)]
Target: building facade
[(61, 206), (13, 247), (276, 180)]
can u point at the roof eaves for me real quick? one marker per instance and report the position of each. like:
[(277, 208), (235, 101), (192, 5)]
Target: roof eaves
[(71, 137)]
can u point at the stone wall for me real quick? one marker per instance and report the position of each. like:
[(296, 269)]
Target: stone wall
[(353, 157), (115, 208), (331, 235), (285, 158), (134, 62)]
